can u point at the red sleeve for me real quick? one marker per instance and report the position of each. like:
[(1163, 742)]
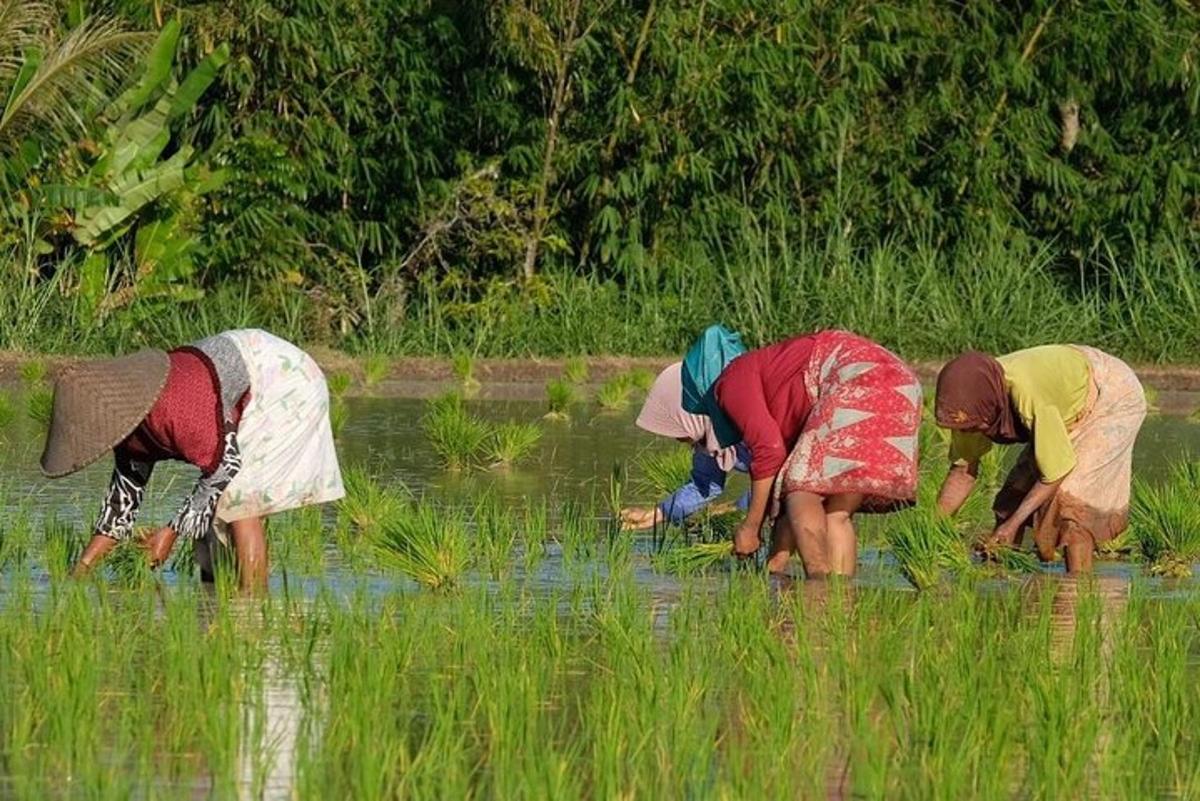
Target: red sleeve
[(739, 393)]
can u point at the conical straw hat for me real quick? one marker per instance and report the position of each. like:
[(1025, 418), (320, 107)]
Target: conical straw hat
[(99, 403)]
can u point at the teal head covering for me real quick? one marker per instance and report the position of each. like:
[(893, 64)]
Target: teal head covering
[(702, 366)]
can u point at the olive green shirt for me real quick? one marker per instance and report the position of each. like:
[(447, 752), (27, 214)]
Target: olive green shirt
[(1049, 387)]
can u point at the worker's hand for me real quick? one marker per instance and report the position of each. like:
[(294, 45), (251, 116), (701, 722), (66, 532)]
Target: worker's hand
[(160, 544), (1005, 534), (636, 518), (746, 540)]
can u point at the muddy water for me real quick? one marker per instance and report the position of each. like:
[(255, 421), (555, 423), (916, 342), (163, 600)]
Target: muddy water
[(574, 459)]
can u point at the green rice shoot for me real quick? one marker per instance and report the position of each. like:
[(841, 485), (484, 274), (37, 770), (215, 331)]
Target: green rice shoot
[(560, 394), (576, 371), (376, 368), (427, 544), (338, 384), (1166, 521), (698, 557), (512, 443), (367, 505), (614, 394), (926, 545), (662, 471), (457, 437), (39, 405)]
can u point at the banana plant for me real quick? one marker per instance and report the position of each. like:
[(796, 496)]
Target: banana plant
[(132, 186)]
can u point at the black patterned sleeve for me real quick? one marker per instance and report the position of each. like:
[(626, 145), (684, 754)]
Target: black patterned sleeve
[(195, 518), (125, 491)]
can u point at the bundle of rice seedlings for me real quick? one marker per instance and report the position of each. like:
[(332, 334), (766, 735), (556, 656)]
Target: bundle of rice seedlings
[(338, 384), (925, 545), (511, 443), (1152, 405), (714, 524), (641, 379), (457, 437), (339, 414), (661, 472), (375, 368), (128, 564), (576, 370), (40, 404), (614, 393), (560, 394), (700, 557), (427, 544), (1166, 521), (1122, 546), (464, 370), (1007, 558), (33, 373), (62, 545), (367, 505), (7, 412)]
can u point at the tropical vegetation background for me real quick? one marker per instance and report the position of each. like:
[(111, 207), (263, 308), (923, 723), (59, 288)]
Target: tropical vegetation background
[(503, 177)]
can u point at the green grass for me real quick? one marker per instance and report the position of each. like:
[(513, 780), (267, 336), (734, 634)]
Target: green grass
[(1165, 520), (641, 379), (339, 415), (512, 443)]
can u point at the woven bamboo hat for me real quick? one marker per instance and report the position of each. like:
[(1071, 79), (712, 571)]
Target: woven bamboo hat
[(99, 403)]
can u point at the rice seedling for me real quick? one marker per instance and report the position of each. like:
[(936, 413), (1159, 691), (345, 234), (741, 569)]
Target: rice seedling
[(1194, 417), (1152, 399), (463, 365), (339, 415), (560, 394), (458, 438), (575, 371), (495, 534), (926, 545), (535, 527), (699, 557), (367, 504), (641, 379), (298, 540), (376, 368), (509, 444), (614, 393), (33, 373), (338, 384), (62, 545), (427, 544), (39, 404), (1122, 546), (1006, 558), (1166, 521), (661, 472), (7, 411), (128, 564)]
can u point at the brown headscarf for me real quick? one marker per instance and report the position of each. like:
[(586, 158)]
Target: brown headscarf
[(972, 396)]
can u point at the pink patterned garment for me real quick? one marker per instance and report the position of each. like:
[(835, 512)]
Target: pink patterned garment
[(861, 435)]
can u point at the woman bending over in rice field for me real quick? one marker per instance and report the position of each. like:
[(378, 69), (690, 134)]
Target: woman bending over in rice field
[(1077, 410), (663, 414), (829, 421), (250, 410)]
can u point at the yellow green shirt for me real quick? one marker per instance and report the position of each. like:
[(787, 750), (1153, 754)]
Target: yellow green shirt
[(1049, 388)]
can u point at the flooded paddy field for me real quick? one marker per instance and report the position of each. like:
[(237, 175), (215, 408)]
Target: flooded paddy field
[(530, 649)]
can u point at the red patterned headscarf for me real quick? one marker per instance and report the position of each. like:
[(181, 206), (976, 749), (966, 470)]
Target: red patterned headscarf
[(972, 396)]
